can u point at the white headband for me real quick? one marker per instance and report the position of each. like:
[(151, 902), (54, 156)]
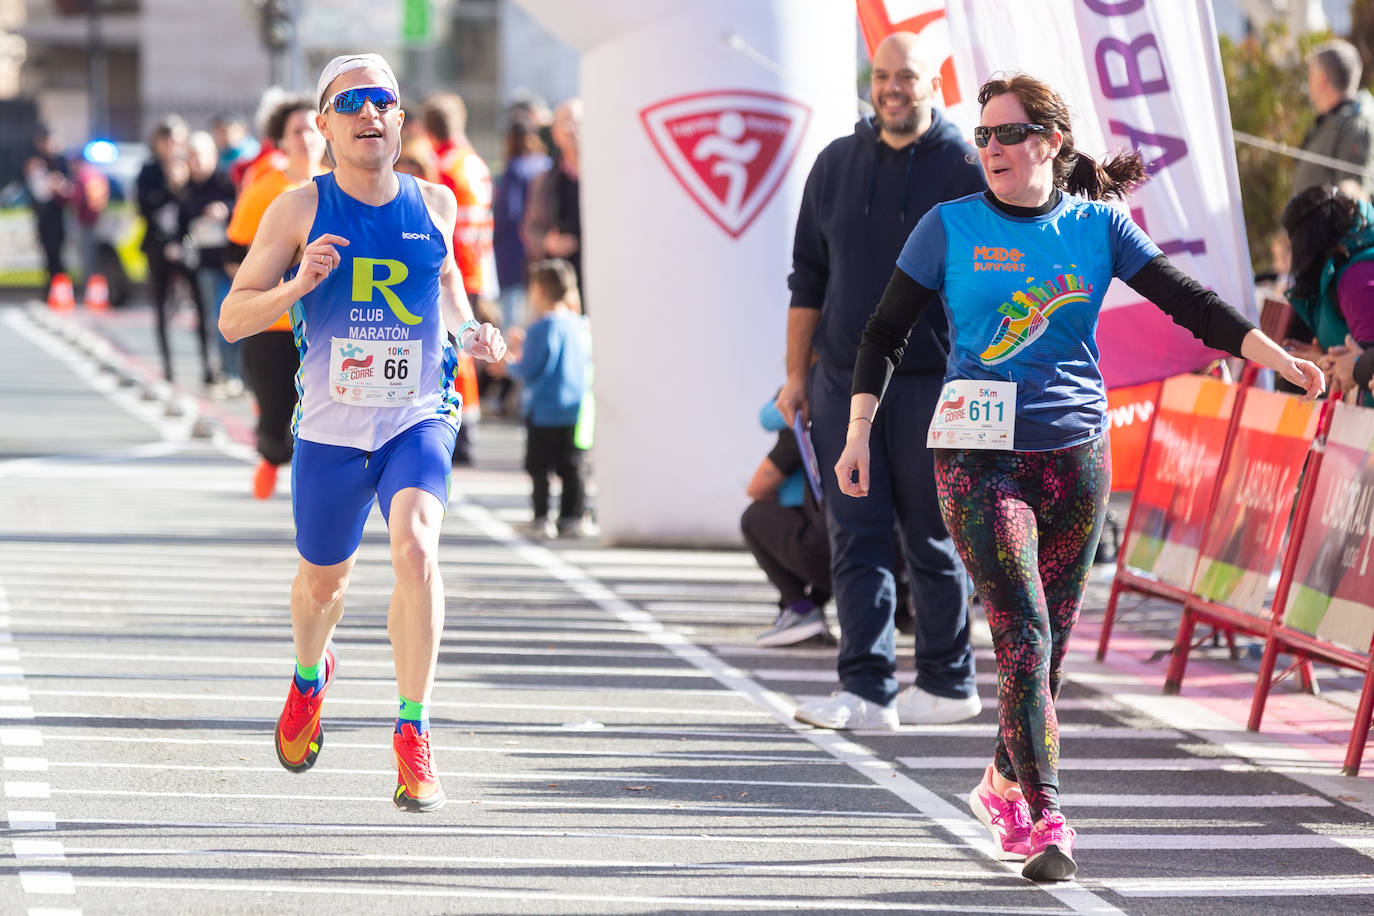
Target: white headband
[(346, 62)]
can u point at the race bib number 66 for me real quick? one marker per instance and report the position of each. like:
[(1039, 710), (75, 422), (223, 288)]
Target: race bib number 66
[(973, 413), (374, 373)]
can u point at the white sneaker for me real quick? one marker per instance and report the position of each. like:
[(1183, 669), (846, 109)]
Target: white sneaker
[(539, 529), (578, 528), (843, 710), (915, 706)]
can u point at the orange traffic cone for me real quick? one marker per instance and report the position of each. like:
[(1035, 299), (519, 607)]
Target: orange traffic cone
[(97, 293), (61, 298)]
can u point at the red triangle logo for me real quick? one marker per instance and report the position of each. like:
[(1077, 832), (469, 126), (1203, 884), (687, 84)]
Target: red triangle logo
[(729, 149)]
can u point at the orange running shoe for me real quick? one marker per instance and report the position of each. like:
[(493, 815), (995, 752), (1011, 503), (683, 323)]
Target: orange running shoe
[(265, 480), (417, 786), (299, 736)]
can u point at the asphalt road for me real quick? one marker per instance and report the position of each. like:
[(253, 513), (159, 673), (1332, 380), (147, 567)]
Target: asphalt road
[(608, 736)]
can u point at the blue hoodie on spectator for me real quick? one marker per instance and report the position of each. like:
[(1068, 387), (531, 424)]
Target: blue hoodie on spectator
[(554, 367)]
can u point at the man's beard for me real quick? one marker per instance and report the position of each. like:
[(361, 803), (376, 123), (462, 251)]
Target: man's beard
[(906, 125)]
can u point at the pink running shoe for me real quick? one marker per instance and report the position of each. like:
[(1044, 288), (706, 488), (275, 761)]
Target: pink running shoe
[(1006, 816), (1051, 850)]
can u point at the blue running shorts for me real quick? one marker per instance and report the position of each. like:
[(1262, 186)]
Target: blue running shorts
[(332, 486)]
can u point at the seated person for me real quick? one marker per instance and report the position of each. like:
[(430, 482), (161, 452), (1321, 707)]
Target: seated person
[(785, 530)]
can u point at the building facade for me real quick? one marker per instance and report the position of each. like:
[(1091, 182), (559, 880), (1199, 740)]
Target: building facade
[(117, 69)]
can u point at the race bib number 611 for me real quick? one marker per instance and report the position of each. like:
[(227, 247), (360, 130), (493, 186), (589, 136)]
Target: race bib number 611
[(972, 413)]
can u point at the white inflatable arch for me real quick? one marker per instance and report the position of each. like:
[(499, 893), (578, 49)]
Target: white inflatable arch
[(702, 120)]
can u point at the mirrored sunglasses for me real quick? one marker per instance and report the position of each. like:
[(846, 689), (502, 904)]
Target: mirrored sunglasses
[(1006, 134), (351, 100)]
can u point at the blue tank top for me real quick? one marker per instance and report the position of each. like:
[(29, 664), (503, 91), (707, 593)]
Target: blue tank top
[(375, 355)]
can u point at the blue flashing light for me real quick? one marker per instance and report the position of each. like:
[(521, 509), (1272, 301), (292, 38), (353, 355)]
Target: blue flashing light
[(101, 152)]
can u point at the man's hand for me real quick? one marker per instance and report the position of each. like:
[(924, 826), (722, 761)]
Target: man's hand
[(484, 343), (559, 244), (792, 399), (317, 262), (1339, 364)]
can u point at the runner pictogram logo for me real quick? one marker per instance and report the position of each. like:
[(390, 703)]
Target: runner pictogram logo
[(728, 149)]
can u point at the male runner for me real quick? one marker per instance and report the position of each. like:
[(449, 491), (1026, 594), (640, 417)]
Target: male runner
[(374, 293)]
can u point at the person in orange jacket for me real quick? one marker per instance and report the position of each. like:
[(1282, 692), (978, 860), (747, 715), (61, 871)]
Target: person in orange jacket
[(463, 172), (270, 359)]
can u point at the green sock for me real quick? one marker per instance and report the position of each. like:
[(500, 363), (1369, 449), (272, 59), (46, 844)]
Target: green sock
[(308, 676), (414, 713)]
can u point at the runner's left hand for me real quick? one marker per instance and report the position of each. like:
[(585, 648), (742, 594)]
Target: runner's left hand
[(485, 343)]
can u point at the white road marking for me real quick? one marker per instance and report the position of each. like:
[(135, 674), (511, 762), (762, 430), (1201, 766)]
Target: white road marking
[(737, 904), (1205, 802), (565, 776), (46, 882), (38, 849), (653, 807), (1243, 886), (1122, 764), (442, 748), (390, 703), (32, 820), (1218, 841), (691, 834), (971, 871)]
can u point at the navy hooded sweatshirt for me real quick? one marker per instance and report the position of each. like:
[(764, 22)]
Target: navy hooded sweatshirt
[(861, 201)]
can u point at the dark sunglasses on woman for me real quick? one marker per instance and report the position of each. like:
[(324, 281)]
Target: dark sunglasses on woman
[(1006, 134)]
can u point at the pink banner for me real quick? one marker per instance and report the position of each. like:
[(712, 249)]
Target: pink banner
[(1332, 596), (1181, 466), (1258, 488)]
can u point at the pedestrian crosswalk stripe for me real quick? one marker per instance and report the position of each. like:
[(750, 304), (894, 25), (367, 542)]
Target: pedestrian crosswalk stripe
[(1115, 764), (1324, 885), (1214, 801)]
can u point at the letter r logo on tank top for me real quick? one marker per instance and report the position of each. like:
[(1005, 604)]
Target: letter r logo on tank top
[(366, 281)]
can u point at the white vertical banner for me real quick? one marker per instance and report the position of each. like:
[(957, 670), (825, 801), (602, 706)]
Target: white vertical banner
[(1136, 74), (702, 120)]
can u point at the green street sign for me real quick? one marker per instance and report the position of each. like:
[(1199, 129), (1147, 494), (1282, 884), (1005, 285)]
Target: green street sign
[(417, 22)]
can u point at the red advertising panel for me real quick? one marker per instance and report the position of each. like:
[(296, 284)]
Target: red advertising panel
[(1332, 596), (1128, 414), (1260, 482), (1170, 512)]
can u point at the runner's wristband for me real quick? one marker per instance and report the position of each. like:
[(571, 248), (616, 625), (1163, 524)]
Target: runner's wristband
[(470, 323)]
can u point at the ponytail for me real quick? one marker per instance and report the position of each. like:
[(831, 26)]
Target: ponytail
[(1117, 177)]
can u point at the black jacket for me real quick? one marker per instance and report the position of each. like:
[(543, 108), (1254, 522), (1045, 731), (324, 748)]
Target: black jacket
[(861, 201)]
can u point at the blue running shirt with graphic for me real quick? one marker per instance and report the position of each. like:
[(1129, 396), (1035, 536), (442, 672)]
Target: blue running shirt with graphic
[(1022, 295), (383, 296)]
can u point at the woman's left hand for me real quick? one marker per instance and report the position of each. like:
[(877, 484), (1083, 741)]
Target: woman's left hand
[(852, 468), (1306, 375)]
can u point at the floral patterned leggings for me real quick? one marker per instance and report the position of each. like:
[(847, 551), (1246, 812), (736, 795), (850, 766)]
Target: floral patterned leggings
[(1026, 525)]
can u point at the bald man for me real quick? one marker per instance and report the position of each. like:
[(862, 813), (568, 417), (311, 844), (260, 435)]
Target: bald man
[(863, 197)]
